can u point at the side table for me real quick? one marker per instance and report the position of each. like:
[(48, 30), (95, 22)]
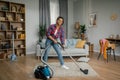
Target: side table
[(91, 48)]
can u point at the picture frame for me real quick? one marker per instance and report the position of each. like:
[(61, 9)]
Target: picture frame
[(92, 20)]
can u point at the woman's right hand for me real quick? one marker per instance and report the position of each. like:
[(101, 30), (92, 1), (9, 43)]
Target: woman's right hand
[(50, 37), (55, 41)]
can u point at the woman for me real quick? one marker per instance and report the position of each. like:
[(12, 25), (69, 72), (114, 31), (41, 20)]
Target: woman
[(54, 32)]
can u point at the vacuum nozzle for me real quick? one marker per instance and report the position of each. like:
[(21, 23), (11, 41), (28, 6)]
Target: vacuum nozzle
[(85, 71)]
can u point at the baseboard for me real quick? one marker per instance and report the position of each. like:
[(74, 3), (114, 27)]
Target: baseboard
[(32, 52)]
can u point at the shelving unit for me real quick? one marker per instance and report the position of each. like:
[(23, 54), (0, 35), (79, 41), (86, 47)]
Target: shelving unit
[(12, 20)]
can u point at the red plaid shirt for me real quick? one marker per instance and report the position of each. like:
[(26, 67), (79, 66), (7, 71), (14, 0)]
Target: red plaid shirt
[(60, 33)]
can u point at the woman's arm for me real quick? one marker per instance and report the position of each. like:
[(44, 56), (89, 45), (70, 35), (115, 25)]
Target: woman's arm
[(51, 38), (62, 37)]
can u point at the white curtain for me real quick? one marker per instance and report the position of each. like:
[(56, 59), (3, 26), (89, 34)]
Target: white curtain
[(54, 10)]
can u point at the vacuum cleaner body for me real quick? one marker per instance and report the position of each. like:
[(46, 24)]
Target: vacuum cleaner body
[(42, 72)]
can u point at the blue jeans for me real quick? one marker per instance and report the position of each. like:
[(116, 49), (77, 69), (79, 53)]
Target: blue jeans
[(57, 49)]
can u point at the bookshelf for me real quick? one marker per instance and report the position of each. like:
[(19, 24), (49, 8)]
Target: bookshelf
[(12, 20)]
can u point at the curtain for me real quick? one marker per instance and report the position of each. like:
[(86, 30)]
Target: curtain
[(54, 10), (63, 5), (44, 8)]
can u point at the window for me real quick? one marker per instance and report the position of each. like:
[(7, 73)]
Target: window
[(54, 10)]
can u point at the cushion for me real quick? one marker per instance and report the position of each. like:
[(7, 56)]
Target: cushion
[(69, 43), (74, 41), (83, 59), (42, 45), (65, 44), (80, 43)]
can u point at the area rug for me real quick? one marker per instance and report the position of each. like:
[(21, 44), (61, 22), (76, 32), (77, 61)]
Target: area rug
[(74, 71)]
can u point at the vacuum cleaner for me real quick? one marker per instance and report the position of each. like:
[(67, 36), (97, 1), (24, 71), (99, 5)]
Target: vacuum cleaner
[(44, 71), (13, 56), (85, 71)]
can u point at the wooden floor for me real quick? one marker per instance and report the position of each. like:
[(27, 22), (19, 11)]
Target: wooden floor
[(22, 69)]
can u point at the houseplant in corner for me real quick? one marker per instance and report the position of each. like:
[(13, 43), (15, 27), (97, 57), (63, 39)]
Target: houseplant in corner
[(42, 31), (82, 31)]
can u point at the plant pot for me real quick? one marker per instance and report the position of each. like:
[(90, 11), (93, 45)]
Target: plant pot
[(83, 36)]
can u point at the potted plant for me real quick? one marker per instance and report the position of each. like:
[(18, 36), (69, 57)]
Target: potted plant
[(42, 31), (82, 31)]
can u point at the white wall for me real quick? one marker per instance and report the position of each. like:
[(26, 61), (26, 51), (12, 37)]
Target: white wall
[(105, 26), (54, 10), (32, 23), (78, 11)]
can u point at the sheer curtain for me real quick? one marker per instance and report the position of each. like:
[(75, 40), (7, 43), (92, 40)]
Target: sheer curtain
[(54, 10)]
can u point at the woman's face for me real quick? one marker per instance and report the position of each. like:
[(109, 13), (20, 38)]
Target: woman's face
[(60, 21)]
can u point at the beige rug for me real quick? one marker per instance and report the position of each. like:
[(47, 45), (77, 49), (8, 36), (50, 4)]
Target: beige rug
[(73, 71)]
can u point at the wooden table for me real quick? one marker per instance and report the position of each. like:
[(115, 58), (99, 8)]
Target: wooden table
[(114, 40)]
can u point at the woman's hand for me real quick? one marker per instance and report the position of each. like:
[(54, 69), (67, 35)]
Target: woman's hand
[(63, 45), (55, 41), (50, 37)]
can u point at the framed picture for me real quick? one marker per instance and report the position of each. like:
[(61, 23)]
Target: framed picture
[(92, 20)]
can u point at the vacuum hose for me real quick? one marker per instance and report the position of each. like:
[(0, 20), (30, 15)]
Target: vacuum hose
[(45, 63)]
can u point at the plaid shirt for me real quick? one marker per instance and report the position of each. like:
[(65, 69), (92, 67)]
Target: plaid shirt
[(60, 33)]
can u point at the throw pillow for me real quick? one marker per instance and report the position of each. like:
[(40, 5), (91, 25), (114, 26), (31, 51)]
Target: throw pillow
[(65, 43), (69, 43), (80, 43), (83, 59)]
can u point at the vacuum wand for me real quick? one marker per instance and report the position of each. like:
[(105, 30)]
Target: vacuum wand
[(85, 71)]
